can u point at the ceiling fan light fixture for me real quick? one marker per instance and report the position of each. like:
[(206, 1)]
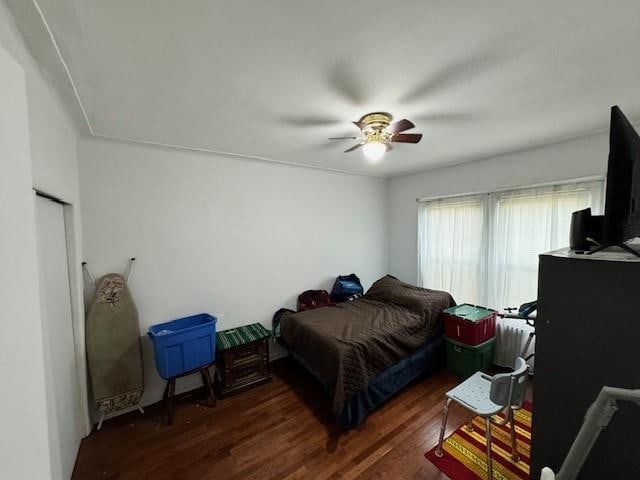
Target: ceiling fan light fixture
[(378, 134), (374, 150)]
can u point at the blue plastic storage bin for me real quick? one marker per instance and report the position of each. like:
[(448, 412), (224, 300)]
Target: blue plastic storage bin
[(184, 344)]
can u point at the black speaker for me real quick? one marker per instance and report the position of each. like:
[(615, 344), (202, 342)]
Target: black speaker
[(586, 230)]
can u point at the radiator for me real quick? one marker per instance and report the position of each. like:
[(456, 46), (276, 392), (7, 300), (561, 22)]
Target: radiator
[(511, 336)]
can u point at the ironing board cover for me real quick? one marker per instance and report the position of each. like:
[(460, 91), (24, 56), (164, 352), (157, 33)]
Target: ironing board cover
[(113, 346)]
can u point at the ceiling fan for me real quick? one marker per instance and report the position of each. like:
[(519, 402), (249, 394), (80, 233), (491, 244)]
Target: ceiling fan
[(378, 133)]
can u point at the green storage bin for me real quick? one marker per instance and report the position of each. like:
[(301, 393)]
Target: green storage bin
[(465, 360)]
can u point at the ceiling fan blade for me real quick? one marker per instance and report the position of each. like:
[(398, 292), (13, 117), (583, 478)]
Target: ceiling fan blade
[(479, 60), (345, 79), (343, 138), (355, 147), (400, 126), (407, 138)]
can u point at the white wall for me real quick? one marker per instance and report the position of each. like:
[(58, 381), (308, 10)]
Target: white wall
[(24, 449), (233, 237), (52, 168), (572, 159), (52, 131)]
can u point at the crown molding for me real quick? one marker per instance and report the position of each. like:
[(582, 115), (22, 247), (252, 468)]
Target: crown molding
[(389, 176), (96, 134), (231, 155), (64, 65)]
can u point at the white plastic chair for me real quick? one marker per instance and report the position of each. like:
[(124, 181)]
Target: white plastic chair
[(487, 396)]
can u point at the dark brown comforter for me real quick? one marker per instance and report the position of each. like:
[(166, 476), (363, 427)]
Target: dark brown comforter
[(346, 346)]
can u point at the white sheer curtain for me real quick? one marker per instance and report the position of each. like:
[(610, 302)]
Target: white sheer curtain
[(451, 245), (484, 249), (527, 223)]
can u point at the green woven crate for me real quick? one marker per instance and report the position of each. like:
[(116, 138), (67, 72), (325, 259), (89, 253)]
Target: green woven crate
[(234, 337), (465, 360)]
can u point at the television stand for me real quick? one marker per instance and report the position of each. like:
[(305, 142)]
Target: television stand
[(623, 246)]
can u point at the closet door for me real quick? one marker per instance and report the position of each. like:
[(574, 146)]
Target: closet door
[(59, 350)]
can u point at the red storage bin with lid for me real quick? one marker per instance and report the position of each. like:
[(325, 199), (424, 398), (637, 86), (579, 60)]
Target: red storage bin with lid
[(469, 324)]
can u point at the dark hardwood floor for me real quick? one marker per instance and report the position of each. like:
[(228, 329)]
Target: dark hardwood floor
[(281, 430)]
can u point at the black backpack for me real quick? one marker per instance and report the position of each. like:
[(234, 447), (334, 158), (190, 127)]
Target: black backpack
[(346, 287)]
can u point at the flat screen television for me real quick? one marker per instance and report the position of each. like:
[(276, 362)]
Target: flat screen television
[(622, 204)]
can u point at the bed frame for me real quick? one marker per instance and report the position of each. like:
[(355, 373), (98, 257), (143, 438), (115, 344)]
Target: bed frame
[(426, 360)]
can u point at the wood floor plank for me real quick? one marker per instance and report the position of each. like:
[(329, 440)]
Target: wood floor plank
[(280, 430)]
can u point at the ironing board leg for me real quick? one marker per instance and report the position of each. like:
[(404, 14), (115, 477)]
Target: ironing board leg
[(445, 413), (101, 420)]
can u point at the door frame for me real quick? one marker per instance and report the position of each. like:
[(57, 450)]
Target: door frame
[(74, 265)]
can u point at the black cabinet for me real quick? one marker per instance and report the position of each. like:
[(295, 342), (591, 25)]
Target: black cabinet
[(587, 336)]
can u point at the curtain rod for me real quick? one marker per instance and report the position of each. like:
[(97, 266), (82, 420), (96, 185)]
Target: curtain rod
[(592, 178)]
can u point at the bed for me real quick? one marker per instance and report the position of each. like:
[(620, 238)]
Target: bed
[(366, 350)]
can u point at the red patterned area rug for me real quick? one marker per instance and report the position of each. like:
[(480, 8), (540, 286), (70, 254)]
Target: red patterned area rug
[(465, 452)]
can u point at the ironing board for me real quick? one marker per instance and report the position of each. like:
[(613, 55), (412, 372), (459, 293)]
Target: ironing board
[(114, 352)]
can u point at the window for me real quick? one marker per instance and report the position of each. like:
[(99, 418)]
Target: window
[(484, 248), (452, 245)]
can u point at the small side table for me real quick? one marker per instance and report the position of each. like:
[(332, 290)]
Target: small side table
[(170, 389), (242, 357)]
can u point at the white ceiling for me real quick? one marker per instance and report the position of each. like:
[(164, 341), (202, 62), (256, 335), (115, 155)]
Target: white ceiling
[(273, 79)]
